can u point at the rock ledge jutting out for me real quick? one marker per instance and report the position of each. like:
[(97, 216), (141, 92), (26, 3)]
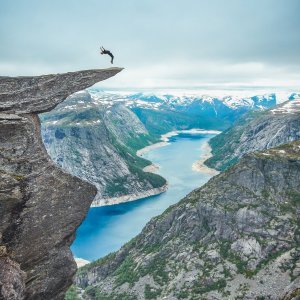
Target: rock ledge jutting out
[(41, 206)]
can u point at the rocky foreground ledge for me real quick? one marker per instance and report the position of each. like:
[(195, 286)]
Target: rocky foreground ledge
[(40, 205)]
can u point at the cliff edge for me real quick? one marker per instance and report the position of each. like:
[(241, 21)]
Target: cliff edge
[(41, 206)]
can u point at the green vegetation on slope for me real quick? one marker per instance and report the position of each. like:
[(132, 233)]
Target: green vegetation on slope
[(101, 133), (135, 165), (224, 144)]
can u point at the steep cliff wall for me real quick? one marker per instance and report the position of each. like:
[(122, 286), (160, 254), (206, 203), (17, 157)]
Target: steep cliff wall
[(256, 131), (40, 205), (98, 143), (237, 237)]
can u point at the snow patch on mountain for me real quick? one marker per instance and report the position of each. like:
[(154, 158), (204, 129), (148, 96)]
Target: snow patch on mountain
[(289, 107), (180, 98)]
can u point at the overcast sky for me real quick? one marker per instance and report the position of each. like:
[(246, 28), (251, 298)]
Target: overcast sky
[(161, 43)]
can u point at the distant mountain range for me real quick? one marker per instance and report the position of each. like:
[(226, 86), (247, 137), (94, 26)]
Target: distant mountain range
[(95, 134), (162, 112), (175, 100)]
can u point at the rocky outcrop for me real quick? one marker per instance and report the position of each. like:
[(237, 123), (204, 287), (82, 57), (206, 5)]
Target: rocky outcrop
[(98, 143), (40, 205), (237, 237), (256, 131), (28, 94)]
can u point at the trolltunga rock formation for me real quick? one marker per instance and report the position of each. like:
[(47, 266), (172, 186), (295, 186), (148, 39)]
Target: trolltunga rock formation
[(41, 206)]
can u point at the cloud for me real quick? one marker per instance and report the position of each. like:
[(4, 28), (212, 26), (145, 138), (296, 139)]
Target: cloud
[(202, 73), (160, 42)]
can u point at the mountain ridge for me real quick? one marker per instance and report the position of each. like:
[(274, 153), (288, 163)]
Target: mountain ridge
[(256, 131), (99, 145)]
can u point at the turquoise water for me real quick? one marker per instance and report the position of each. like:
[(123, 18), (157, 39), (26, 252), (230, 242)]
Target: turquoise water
[(107, 228)]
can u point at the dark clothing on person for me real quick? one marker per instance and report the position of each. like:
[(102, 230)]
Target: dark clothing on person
[(103, 51)]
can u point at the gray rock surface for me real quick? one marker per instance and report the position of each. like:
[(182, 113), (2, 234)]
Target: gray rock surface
[(36, 94), (237, 237), (256, 131), (41, 206), (98, 143), (12, 279)]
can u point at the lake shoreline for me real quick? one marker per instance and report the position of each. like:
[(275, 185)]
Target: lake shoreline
[(129, 197), (165, 138), (80, 262), (109, 227), (198, 166)]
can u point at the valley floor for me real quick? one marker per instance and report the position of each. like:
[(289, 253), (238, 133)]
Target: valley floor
[(197, 166), (107, 228)]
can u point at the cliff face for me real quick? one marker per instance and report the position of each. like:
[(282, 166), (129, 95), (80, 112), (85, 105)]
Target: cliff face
[(40, 205), (237, 237), (98, 143), (256, 131)]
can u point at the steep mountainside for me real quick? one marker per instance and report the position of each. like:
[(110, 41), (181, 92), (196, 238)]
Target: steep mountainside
[(256, 131), (40, 205), (237, 237), (98, 143)]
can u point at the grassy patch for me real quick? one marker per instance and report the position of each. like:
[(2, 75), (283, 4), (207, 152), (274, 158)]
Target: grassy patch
[(151, 248), (126, 272), (157, 269), (95, 294), (224, 144), (71, 294), (294, 197), (151, 292), (183, 294), (206, 288)]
